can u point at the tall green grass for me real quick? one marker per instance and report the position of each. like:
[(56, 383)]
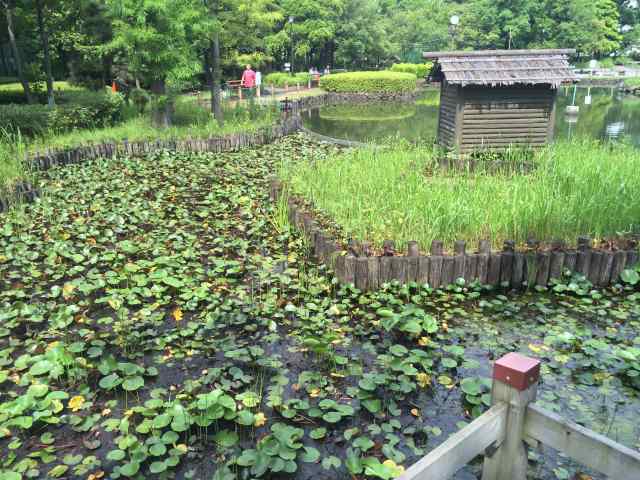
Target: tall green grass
[(190, 119), (12, 168), (403, 193)]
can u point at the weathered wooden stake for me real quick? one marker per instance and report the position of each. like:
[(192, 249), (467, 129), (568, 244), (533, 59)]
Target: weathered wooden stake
[(385, 270), (515, 382), (543, 260), (423, 270)]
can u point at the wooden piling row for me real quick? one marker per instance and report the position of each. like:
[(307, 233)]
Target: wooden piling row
[(508, 268), (24, 192)]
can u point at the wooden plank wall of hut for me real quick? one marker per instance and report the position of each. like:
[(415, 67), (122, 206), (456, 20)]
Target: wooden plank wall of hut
[(495, 118), (447, 116)]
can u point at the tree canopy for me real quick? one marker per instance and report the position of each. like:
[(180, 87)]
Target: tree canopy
[(171, 40)]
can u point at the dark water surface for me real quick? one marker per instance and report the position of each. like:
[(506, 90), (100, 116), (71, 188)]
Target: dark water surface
[(611, 114)]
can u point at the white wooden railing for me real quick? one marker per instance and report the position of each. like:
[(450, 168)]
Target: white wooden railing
[(501, 434)]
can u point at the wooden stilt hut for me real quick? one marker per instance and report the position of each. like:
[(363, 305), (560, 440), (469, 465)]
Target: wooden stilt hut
[(497, 98)]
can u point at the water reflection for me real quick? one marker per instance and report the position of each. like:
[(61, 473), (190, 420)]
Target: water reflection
[(605, 113), (611, 114)]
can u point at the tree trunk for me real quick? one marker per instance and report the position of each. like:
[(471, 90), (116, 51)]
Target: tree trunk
[(44, 36), (216, 79), (16, 53), (163, 108), (216, 72), (6, 71)]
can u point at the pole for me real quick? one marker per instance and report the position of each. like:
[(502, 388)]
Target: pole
[(292, 55), (575, 91), (515, 382)]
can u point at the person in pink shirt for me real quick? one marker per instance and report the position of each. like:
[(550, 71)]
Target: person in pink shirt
[(249, 79)]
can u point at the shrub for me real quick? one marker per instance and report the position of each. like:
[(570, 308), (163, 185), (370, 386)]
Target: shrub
[(369, 82), (13, 92), (279, 79), (420, 70), (30, 120), (75, 110)]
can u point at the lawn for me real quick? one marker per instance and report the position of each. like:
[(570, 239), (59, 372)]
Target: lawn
[(404, 193), (160, 320)]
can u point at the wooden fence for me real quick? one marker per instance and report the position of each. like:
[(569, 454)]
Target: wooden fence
[(225, 143), (25, 192), (354, 264), (501, 433)]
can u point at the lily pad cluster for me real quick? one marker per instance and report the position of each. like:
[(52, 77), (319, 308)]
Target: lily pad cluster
[(159, 319)]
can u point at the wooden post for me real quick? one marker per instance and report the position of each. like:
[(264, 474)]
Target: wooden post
[(515, 382), (423, 270), (384, 275), (413, 253), (460, 252), (543, 260), (493, 275)]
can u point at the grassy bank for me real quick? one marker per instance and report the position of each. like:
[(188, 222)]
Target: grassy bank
[(190, 119), (402, 193)]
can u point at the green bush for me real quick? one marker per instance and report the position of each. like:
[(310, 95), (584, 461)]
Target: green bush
[(279, 79), (369, 82), (74, 111), (29, 120), (13, 92), (420, 70)]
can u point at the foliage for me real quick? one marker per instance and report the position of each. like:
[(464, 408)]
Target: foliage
[(404, 193), (420, 70), (155, 38), (280, 79), (76, 110), (369, 112), (13, 92), (174, 319), (369, 82)]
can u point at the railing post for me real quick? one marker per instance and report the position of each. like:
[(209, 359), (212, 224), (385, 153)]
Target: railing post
[(515, 382)]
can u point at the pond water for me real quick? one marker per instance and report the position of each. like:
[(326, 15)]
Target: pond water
[(610, 115)]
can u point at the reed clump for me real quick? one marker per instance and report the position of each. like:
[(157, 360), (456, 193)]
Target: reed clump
[(404, 193)]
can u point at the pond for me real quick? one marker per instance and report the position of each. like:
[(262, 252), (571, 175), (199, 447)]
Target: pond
[(610, 115), (149, 330)]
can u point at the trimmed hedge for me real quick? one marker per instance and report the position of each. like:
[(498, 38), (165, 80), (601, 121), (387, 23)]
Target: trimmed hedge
[(278, 79), (420, 70), (76, 110), (369, 82)]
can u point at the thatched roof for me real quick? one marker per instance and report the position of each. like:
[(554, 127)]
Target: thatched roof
[(503, 67)]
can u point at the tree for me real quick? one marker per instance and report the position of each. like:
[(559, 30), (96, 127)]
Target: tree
[(44, 36), (238, 26), (9, 6), (154, 39)]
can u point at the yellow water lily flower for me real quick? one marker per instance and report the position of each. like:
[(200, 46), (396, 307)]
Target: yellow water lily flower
[(177, 314), (76, 403), (67, 290), (424, 379), (259, 419)]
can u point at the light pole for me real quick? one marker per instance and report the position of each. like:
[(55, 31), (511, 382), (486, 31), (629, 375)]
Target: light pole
[(454, 21), (291, 20)]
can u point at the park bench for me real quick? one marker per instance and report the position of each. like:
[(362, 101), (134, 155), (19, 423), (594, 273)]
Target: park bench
[(235, 85)]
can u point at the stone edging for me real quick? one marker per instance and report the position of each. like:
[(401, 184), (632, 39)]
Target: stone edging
[(51, 158), (507, 268)]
